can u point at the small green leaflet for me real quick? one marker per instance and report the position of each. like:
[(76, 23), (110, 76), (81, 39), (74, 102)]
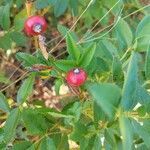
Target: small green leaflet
[(28, 60), (5, 17), (147, 63), (25, 89), (34, 121), (87, 55), (142, 132), (60, 7), (47, 144), (65, 65), (3, 103), (143, 34), (124, 34), (129, 93), (11, 124), (126, 132), (72, 48), (107, 96)]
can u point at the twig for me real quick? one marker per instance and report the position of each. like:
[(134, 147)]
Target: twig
[(23, 76)]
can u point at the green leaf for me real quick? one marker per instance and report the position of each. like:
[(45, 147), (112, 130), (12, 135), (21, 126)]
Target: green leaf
[(5, 17), (84, 143), (41, 60), (73, 109), (47, 144), (59, 115), (110, 137), (99, 114), (35, 122), (32, 147), (126, 132), (142, 43), (40, 4), (23, 145), (143, 27), (124, 34), (87, 55), (60, 7), (5, 42), (141, 111), (2, 143), (97, 143), (27, 59), (18, 38), (129, 93), (52, 1), (117, 70), (146, 125), (142, 133), (72, 48), (87, 143), (1, 11), (25, 90), (74, 5), (147, 64), (106, 50), (143, 34), (106, 96), (11, 124), (58, 83), (20, 19), (118, 5), (143, 96), (141, 147), (63, 145), (98, 65), (65, 65), (54, 114), (3, 103), (19, 3), (64, 31), (3, 146), (79, 131)]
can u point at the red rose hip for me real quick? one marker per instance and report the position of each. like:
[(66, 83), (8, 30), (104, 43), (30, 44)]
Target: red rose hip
[(35, 25), (76, 77)]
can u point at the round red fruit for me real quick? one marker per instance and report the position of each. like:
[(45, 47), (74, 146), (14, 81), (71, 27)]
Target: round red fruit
[(35, 25), (76, 77)]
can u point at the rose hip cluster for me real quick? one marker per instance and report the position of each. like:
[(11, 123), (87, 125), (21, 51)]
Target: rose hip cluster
[(36, 25)]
